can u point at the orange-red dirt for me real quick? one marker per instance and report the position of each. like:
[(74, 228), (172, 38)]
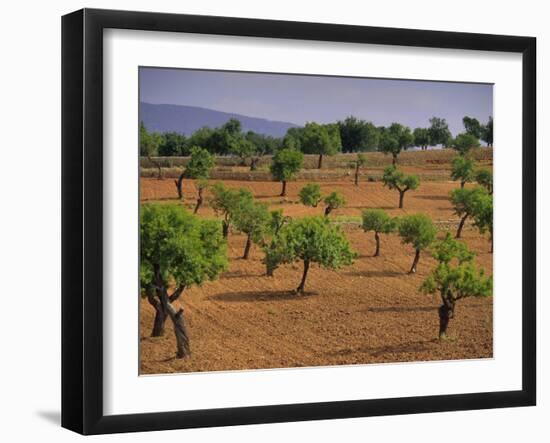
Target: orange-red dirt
[(369, 312)]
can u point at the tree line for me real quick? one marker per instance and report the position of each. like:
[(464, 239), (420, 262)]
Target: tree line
[(349, 135)]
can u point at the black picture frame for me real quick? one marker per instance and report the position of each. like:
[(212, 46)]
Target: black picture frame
[(82, 219)]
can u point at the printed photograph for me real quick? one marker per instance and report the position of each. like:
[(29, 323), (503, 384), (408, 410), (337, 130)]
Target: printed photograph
[(291, 220)]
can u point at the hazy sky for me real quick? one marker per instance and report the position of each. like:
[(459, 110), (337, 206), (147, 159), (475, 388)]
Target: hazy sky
[(300, 98)]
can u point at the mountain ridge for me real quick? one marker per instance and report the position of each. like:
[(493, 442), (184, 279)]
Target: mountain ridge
[(186, 119)]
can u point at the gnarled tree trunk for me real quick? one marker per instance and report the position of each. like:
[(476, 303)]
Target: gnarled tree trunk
[(160, 315), (199, 201), (320, 163), (283, 191), (179, 183), (300, 288), (401, 197), (446, 312), (183, 348), (328, 210), (460, 226), (415, 262), (225, 228), (157, 165), (247, 247), (394, 159), (356, 182), (377, 238)]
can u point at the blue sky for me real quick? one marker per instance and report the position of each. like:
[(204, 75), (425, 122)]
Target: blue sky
[(302, 98)]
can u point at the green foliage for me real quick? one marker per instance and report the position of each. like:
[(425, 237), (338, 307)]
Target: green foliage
[(395, 139), (310, 194), (333, 201), (417, 230), (226, 201), (358, 135), (485, 178), (252, 218), (394, 178), (200, 164), (467, 201), (463, 143), (185, 250), (421, 137), (361, 159), (148, 142), (472, 126), (173, 144), (293, 139), (321, 139), (483, 214), (487, 132), (439, 131), (242, 147), (377, 220), (315, 240), (456, 276), (286, 164), (462, 169)]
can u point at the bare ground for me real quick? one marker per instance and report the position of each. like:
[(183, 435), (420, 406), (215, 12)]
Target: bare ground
[(367, 313)]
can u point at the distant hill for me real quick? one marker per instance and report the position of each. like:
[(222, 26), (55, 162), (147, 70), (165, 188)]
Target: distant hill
[(187, 119)]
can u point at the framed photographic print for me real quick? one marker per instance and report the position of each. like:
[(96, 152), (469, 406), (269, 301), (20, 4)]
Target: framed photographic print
[(269, 221)]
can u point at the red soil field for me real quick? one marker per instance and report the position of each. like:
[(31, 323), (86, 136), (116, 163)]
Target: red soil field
[(369, 312)]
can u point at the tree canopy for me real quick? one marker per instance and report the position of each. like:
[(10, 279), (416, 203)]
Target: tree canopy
[(464, 142), (312, 240), (333, 201), (285, 165), (321, 140), (394, 178), (226, 201), (419, 231), (310, 194), (466, 203), (485, 178), (472, 126), (252, 219), (358, 135), (200, 164), (422, 137), (395, 139), (463, 169), (439, 131)]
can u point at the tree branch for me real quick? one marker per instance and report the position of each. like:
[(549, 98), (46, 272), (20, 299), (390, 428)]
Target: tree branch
[(176, 294)]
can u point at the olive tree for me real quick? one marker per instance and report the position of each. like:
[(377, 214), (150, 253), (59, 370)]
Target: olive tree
[(310, 195), (393, 178), (313, 240), (252, 219), (483, 216), (177, 250), (225, 202), (285, 165), (333, 201), (485, 178), (360, 161), (487, 132), (455, 277), (378, 221), (272, 250), (472, 126), (421, 138), (464, 142), (321, 140), (439, 131), (199, 166), (149, 143), (466, 203), (395, 139), (419, 231), (462, 169)]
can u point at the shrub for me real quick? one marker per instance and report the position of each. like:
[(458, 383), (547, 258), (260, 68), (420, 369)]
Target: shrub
[(310, 195)]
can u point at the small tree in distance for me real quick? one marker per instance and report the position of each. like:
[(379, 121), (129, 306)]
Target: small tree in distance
[(483, 217), (273, 256), (485, 178), (359, 162), (333, 201), (252, 219), (285, 165), (199, 166), (310, 194), (466, 203), (378, 221), (393, 178), (419, 231), (226, 201), (462, 169), (177, 250), (201, 184), (463, 143), (321, 139), (395, 139), (454, 278), (312, 240), (421, 138)]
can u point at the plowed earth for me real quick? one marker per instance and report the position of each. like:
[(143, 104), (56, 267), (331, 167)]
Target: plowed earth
[(369, 312)]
